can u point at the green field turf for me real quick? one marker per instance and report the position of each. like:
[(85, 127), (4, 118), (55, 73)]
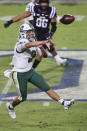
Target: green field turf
[(33, 116), (71, 36)]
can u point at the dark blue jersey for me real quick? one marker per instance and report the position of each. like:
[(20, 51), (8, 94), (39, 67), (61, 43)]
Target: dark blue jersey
[(42, 19)]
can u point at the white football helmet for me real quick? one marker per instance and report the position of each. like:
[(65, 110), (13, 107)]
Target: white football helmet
[(24, 28)]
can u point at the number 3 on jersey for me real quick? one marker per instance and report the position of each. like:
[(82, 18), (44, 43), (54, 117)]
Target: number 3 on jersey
[(42, 22)]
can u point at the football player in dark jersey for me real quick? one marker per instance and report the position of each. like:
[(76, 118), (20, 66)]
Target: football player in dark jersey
[(44, 16)]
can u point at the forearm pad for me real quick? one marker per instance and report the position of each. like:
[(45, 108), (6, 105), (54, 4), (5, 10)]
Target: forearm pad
[(54, 27)]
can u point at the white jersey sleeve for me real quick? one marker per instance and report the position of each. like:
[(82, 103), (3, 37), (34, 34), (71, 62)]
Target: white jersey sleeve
[(28, 9), (29, 6), (31, 9), (20, 47)]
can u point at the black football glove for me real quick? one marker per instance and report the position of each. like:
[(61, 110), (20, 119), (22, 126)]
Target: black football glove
[(8, 23), (48, 35)]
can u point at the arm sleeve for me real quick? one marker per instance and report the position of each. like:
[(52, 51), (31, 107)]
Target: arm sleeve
[(31, 9), (27, 7), (53, 13), (21, 46), (53, 27)]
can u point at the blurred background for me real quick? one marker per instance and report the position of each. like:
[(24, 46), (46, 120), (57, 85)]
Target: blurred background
[(71, 43), (53, 1)]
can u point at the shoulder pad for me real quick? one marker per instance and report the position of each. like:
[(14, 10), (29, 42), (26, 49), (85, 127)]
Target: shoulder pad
[(31, 3), (31, 8), (53, 12), (28, 6)]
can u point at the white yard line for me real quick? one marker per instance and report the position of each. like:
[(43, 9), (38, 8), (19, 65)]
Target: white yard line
[(6, 17), (6, 88), (79, 92), (77, 18), (10, 52)]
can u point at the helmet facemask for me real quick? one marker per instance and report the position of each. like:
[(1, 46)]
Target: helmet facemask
[(44, 4), (28, 31)]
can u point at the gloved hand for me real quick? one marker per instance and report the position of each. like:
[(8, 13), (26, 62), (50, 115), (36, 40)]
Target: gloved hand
[(8, 23), (48, 35)]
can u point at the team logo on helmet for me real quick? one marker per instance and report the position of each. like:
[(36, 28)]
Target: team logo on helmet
[(24, 28)]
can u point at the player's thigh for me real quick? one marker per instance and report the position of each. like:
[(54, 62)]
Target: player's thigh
[(20, 82), (39, 81)]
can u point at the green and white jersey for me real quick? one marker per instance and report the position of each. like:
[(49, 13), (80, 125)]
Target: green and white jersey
[(22, 59)]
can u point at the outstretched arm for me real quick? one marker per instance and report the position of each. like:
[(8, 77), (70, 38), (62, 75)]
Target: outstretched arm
[(17, 18), (35, 43), (22, 16), (22, 47)]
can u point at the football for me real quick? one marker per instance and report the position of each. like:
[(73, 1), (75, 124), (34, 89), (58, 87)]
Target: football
[(67, 19)]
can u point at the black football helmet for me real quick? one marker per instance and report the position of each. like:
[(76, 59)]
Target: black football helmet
[(46, 1), (44, 7)]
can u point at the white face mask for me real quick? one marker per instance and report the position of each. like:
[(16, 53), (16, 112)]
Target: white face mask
[(22, 36), (26, 36)]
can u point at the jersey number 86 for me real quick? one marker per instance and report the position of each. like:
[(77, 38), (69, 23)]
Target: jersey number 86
[(42, 22)]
